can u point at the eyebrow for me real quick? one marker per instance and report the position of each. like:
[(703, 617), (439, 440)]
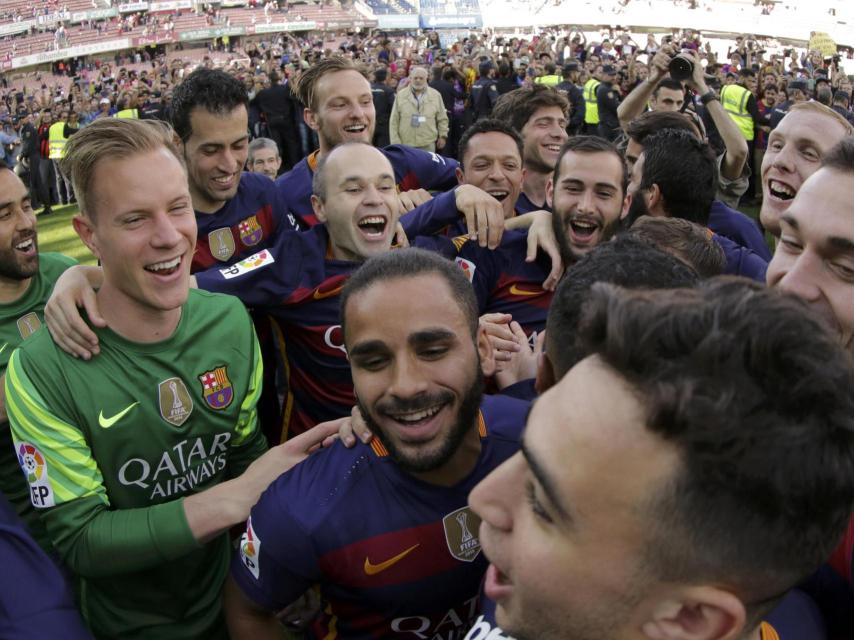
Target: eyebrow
[(384, 176), (417, 339), (598, 185), (837, 243), (545, 481)]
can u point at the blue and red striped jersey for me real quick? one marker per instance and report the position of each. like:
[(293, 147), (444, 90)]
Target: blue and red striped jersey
[(504, 282), (413, 169), (393, 555), (244, 225)]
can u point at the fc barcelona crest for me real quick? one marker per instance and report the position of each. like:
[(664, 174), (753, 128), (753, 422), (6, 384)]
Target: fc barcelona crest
[(217, 388), (28, 325), (250, 231), (221, 242), (461, 534)]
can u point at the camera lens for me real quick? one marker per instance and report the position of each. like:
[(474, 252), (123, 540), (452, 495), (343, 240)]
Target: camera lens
[(681, 68)]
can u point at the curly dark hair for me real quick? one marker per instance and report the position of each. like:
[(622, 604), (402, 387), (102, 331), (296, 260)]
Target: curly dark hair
[(212, 89)]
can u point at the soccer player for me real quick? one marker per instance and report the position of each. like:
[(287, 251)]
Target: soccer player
[(26, 280), (384, 528), (139, 460), (579, 551), (340, 108), (264, 157), (676, 176), (795, 150), (538, 113), (237, 213)]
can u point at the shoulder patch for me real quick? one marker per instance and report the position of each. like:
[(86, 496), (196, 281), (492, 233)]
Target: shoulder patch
[(250, 550), (221, 243), (467, 266), (251, 232), (34, 467), (255, 261)]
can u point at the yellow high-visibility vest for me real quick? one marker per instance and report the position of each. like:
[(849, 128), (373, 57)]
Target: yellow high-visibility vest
[(549, 81), (734, 99), (132, 114), (591, 107), (56, 141)]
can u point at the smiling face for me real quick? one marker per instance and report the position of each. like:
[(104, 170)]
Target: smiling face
[(265, 160), (19, 255), (142, 228), (795, 150), (587, 201), (544, 134), (360, 206), (345, 111), (492, 163), (564, 534), (215, 154), (416, 368), (814, 258)]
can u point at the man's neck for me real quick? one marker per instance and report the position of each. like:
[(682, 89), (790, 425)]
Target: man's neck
[(461, 464), (418, 92), (12, 289), (535, 186), (133, 321), (202, 204)]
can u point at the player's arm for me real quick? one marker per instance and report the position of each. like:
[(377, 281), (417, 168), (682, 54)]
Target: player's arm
[(635, 103), (541, 237), (75, 289), (483, 214), (247, 620), (736, 146)]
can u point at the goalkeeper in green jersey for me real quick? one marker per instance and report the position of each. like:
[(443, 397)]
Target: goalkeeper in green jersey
[(141, 459), (26, 280)]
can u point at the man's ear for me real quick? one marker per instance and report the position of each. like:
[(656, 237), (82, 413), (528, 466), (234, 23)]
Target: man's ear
[(627, 204), (655, 201), (84, 227), (697, 613), (545, 375), (550, 192), (486, 352), (461, 177), (317, 207)]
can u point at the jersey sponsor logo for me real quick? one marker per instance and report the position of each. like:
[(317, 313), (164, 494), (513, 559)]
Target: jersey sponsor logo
[(452, 625), (334, 339), (462, 543), (482, 630), (516, 290), (28, 325), (374, 569), (106, 423), (34, 467), (321, 295), (467, 266), (221, 243), (174, 400), (217, 388), (181, 468), (250, 549), (251, 232), (255, 261)]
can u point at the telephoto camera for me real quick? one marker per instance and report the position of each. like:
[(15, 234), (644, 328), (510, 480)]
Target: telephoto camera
[(681, 66)]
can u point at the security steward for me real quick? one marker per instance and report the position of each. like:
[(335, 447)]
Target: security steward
[(608, 100), (569, 88)]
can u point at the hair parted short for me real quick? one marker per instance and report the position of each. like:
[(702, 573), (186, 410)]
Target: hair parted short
[(110, 139), (517, 106), (411, 263), (214, 90), (816, 107), (685, 240), (591, 144), (306, 84), (745, 383), (489, 125), (261, 143)]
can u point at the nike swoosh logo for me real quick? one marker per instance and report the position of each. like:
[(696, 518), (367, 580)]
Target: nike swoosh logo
[(374, 569), (106, 423), (516, 291), (320, 295)]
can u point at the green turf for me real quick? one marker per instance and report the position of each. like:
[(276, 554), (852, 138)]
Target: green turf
[(57, 234)]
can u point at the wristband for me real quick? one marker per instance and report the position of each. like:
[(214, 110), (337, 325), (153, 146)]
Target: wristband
[(707, 97)]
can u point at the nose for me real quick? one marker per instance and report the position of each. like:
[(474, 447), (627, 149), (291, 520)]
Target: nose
[(165, 234), (25, 220), (494, 497), (407, 380), (495, 172), (585, 204), (784, 159), (799, 277)]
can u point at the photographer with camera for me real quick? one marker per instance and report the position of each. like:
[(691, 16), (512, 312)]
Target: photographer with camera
[(732, 182)]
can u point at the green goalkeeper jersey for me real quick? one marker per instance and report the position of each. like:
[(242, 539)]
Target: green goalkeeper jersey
[(111, 446), (18, 321)]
